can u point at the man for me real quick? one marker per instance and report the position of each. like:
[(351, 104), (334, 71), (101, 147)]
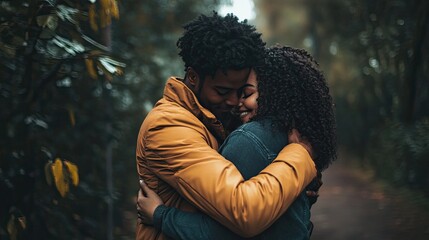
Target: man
[(178, 141)]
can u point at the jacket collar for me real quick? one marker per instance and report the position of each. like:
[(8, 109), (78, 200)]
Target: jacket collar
[(176, 91)]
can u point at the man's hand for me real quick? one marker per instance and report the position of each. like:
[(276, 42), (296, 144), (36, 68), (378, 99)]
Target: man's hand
[(295, 137), (147, 202), (313, 188)]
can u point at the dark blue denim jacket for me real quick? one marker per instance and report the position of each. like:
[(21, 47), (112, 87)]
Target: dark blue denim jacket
[(260, 141)]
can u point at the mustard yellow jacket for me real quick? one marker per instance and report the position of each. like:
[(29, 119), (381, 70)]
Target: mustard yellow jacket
[(177, 157)]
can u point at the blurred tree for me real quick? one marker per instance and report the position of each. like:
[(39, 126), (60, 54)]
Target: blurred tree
[(284, 22), (375, 56), (52, 108), (59, 100)]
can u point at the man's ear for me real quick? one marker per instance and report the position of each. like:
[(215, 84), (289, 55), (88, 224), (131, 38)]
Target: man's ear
[(193, 78)]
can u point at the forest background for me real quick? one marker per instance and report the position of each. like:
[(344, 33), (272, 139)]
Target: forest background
[(78, 78)]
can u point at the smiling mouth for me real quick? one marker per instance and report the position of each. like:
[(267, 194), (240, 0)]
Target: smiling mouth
[(243, 114)]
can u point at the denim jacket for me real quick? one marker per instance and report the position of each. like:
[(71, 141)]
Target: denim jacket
[(257, 140)]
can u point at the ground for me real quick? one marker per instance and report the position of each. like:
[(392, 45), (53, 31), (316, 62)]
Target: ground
[(352, 205)]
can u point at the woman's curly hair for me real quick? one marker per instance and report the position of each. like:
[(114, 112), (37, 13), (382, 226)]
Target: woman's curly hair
[(212, 43), (294, 91)]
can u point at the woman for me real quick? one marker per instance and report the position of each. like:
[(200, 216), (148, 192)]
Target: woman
[(288, 92)]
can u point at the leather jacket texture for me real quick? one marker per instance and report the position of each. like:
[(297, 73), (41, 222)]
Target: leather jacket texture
[(177, 157)]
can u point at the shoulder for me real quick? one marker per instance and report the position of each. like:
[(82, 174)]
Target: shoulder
[(169, 113), (256, 126), (168, 121), (264, 132), (248, 134), (263, 128)]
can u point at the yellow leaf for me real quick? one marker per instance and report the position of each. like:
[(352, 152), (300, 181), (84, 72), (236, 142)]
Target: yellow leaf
[(114, 9), (11, 228), (105, 18), (60, 182), (105, 4), (71, 116), (91, 68), (119, 71), (109, 9), (73, 170), (16, 225), (92, 15), (22, 222), (48, 173), (50, 21)]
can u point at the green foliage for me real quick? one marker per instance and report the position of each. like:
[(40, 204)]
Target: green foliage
[(59, 99), (52, 109), (387, 42), (376, 58)]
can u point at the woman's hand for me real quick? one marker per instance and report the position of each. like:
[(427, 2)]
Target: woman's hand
[(295, 137), (147, 202)]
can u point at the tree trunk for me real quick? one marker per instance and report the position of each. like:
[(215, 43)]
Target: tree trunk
[(411, 74)]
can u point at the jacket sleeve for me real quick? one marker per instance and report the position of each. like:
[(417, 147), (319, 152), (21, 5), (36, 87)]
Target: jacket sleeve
[(196, 225), (180, 155), (181, 225)]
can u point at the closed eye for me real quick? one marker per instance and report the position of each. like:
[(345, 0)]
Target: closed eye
[(248, 91), (246, 95), (223, 91)]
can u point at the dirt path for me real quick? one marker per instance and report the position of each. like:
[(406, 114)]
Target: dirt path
[(352, 206)]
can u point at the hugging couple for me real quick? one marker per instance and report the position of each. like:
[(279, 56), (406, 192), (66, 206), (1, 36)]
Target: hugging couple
[(235, 148)]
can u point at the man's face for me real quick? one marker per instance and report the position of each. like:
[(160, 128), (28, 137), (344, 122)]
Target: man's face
[(220, 93)]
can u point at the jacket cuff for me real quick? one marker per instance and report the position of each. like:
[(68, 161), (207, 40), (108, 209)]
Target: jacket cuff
[(158, 216)]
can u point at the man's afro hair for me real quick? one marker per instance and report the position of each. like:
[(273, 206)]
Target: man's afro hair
[(212, 43)]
